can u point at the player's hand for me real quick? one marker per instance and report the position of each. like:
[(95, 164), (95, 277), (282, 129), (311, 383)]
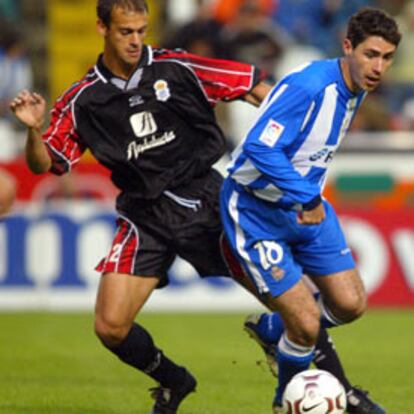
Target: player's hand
[(29, 108), (315, 216)]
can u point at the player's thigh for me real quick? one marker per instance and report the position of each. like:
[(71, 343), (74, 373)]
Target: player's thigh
[(121, 296), (268, 263), (203, 252), (138, 251), (136, 264), (323, 249), (294, 300), (257, 237), (343, 293)]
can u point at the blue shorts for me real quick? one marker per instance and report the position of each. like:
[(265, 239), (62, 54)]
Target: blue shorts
[(273, 248)]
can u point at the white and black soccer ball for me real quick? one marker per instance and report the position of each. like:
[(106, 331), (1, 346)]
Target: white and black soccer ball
[(314, 392)]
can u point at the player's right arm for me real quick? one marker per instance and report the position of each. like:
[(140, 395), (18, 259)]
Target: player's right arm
[(314, 216), (60, 148), (30, 109), (269, 141)]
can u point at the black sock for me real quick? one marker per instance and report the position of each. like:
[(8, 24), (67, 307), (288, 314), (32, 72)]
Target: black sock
[(327, 359), (139, 351)]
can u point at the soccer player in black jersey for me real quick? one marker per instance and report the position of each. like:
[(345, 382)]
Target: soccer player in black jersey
[(147, 115)]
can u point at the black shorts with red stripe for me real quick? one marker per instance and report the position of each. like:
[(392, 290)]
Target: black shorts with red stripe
[(184, 222)]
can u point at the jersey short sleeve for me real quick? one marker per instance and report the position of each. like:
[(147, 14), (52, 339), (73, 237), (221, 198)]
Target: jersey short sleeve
[(62, 141), (221, 80)]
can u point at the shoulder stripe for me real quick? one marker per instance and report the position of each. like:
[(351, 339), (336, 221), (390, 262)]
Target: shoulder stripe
[(193, 73), (215, 69), (69, 104), (61, 137)]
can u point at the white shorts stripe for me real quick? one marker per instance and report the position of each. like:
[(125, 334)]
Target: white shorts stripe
[(240, 243), (134, 230)]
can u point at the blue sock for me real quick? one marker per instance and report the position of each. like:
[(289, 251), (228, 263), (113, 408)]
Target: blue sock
[(270, 327), (292, 358)]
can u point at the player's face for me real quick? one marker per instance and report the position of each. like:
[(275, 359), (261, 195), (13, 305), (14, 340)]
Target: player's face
[(124, 38), (367, 63)]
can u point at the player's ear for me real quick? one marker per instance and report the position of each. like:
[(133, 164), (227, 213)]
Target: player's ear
[(101, 27), (347, 47)]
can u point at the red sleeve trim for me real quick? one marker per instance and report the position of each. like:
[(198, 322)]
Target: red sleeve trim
[(63, 142), (221, 80)]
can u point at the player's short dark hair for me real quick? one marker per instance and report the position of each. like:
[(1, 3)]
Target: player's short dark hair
[(104, 8), (372, 22)]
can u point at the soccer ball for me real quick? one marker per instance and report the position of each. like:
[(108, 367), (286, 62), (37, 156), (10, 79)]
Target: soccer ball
[(314, 392)]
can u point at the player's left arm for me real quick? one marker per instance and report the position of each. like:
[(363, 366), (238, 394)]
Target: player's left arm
[(227, 80), (258, 94)]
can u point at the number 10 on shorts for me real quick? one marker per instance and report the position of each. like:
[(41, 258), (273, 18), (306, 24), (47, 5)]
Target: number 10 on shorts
[(270, 253)]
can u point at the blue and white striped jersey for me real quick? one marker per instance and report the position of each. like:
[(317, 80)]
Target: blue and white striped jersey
[(285, 155)]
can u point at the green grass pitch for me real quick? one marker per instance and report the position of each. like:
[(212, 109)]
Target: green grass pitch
[(52, 364)]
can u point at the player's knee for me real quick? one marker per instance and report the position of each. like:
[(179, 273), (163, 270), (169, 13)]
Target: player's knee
[(351, 307), (357, 307), (111, 333), (310, 331)]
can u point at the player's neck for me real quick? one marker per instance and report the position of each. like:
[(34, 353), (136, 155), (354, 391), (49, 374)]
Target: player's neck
[(346, 74), (118, 68)]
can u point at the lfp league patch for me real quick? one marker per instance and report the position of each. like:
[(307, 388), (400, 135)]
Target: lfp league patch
[(271, 133), (162, 91)]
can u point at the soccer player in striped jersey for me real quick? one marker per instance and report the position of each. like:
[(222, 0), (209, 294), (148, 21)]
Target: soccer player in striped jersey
[(276, 222)]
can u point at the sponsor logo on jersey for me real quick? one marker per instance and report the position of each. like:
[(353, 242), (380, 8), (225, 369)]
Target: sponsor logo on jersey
[(325, 154), (271, 133), (162, 90), (143, 124), (137, 148)]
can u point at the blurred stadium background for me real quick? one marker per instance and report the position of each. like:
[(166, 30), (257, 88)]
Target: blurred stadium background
[(61, 227)]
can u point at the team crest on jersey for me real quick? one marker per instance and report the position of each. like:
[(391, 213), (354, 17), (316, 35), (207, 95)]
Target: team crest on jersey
[(277, 273), (271, 133), (162, 90)]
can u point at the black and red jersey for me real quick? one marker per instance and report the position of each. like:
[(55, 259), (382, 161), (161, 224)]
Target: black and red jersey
[(156, 131)]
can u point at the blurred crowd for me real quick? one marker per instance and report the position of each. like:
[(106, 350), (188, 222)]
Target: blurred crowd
[(278, 35), (16, 75), (275, 35)]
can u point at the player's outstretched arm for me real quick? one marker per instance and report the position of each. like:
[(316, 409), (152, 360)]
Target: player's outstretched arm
[(30, 108), (258, 94)]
